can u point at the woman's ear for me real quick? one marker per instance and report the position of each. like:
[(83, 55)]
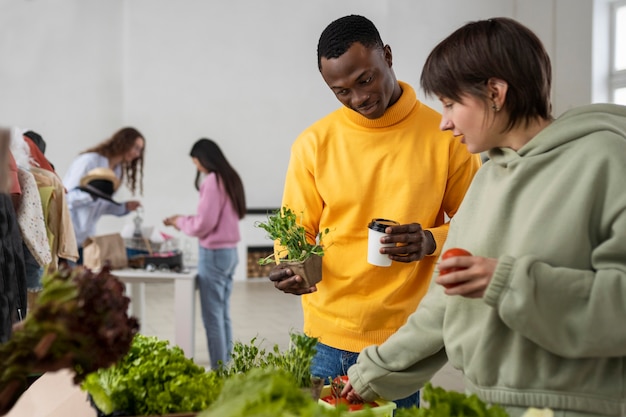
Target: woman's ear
[(496, 92)]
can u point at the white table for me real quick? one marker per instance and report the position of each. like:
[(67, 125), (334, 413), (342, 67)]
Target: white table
[(184, 300)]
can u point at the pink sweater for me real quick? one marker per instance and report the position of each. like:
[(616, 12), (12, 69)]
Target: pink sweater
[(216, 224)]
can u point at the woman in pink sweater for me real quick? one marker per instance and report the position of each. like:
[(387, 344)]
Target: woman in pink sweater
[(216, 225)]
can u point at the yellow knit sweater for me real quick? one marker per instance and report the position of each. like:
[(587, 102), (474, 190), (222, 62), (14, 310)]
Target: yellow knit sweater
[(345, 170)]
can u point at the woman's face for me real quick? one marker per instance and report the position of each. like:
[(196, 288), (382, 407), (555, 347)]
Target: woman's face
[(472, 119), (198, 165), (135, 152)]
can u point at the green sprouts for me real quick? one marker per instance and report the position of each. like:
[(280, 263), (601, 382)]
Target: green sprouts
[(283, 226)]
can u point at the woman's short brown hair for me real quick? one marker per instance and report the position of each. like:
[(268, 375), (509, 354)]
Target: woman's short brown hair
[(500, 48)]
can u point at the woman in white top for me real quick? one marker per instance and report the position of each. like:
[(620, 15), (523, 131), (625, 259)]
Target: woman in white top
[(123, 153)]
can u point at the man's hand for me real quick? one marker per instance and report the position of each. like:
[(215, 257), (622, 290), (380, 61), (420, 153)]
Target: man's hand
[(412, 243), (284, 280)]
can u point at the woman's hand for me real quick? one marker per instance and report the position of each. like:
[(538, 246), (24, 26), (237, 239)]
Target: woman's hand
[(132, 205), (350, 394), (171, 221), (469, 276)]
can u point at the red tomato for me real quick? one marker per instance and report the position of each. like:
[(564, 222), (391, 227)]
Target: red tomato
[(355, 407), (351, 406), (343, 379), (336, 387), (451, 253), (335, 401)]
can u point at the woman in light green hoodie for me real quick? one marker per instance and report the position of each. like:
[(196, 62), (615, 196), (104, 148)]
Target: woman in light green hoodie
[(535, 318)]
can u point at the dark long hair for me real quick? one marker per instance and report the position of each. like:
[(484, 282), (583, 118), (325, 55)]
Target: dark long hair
[(121, 142), (210, 156)]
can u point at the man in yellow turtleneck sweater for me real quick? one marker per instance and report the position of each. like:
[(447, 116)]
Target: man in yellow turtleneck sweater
[(381, 155)]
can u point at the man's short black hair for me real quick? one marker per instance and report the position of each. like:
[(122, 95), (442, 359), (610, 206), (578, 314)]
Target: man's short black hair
[(339, 36)]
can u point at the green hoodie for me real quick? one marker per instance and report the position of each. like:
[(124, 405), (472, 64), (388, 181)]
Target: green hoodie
[(550, 330)]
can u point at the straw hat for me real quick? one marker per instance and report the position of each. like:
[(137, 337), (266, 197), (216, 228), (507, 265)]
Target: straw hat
[(100, 183)]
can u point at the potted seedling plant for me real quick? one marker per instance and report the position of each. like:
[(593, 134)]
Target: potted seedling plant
[(294, 251)]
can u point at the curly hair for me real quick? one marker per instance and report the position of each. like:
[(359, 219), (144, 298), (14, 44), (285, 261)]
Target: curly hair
[(339, 36), (117, 145)]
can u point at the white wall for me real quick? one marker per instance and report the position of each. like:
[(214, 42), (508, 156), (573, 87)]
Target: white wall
[(242, 72), (61, 71)]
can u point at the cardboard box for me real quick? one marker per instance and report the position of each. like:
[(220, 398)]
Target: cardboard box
[(54, 394)]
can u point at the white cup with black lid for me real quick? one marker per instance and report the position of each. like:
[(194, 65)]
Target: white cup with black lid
[(376, 230)]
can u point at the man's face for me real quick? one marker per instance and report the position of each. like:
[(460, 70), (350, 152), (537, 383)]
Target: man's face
[(362, 79)]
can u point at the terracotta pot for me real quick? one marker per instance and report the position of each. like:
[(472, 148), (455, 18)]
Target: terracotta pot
[(310, 269)]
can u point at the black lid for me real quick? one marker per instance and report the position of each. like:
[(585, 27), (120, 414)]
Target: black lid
[(381, 224)]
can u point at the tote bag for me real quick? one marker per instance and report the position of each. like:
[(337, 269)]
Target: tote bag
[(100, 250)]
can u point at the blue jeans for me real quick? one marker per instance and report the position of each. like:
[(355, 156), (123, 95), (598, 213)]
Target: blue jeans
[(215, 282), (331, 362), (33, 270), (72, 264)]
